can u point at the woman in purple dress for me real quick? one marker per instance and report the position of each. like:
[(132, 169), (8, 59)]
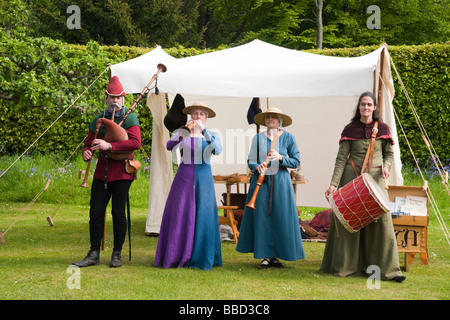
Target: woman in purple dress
[(189, 234)]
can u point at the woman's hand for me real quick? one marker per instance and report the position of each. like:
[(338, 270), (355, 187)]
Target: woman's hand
[(385, 172), (331, 189), (260, 168), (199, 124), (274, 155), (189, 122)]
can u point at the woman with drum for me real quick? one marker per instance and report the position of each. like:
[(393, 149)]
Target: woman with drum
[(350, 254), (189, 234), (270, 227)]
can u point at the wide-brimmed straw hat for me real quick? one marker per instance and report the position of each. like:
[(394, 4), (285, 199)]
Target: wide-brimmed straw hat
[(199, 105), (260, 118)]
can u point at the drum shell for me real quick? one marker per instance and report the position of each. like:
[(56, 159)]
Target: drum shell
[(359, 202)]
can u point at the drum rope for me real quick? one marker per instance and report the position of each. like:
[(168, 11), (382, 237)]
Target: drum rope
[(351, 198), (362, 204)]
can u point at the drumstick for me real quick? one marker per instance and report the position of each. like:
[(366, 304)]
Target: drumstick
[(385, 183)]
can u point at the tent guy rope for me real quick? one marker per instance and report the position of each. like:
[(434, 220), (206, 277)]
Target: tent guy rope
[(2, 238), (45, 188), (425, 187), (49, 218), (56, 120), (425, 136)]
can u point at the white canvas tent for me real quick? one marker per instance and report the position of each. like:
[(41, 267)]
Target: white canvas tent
[(319, 92)]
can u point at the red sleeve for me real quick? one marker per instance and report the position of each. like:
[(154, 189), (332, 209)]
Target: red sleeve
[(88, 141)]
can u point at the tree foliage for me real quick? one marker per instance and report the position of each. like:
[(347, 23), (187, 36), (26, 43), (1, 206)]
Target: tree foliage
[(212, 23), (40, 77)]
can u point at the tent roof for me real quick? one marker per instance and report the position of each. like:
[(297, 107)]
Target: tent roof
[(256, 69), (136, 73)]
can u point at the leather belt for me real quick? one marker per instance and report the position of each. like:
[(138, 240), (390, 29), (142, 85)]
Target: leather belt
[(349, 164)]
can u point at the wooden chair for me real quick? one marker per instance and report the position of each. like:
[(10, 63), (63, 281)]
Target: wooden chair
[(228, 219)]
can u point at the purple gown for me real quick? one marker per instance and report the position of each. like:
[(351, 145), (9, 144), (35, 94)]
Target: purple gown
[(189, 234)]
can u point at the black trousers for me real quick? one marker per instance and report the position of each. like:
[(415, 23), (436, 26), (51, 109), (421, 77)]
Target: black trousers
[(118, 192)]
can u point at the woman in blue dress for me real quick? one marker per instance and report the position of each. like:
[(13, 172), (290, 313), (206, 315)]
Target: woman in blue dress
[(272, 229), (189, 234)]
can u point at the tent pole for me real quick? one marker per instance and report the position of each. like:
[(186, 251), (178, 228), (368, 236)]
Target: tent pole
[(259, 108), (374, 91), (380, 84)]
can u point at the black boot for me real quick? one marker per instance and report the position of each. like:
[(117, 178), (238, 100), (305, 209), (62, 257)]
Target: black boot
[(116, 259), (92, 259), (398, 279)]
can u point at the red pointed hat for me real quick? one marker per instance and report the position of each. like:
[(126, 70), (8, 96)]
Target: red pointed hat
[(115, 87)]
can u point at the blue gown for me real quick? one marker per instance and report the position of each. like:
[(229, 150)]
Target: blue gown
[(274, 234)]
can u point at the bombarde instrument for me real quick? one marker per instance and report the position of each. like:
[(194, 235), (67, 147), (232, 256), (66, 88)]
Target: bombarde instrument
[(185, 131), (114, 132), (260, 180)]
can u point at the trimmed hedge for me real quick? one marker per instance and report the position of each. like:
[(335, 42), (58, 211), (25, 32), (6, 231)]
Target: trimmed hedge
[(41, 77), (424, 71)]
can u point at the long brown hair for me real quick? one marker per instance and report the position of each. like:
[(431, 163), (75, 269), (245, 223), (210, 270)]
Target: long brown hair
[(375, 115)]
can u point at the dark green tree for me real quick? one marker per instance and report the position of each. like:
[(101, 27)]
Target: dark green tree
[(297, 24)]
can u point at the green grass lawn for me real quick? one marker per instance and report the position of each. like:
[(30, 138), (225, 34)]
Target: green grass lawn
[(35, 262)]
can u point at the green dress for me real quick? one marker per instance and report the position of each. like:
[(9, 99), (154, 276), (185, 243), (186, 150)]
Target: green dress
[(350, 254)]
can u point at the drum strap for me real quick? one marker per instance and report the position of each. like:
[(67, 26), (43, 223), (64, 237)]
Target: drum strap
[(353, 166), (369, 153)]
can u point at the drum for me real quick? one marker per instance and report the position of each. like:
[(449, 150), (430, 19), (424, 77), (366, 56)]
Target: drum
[(359, 202)]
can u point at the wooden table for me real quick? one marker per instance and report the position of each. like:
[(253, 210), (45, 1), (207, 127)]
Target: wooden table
[(411, 231), (230, 212), (232, 180), (244, 179)]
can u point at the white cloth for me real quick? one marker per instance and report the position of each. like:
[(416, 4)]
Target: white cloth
[(161, 172)]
